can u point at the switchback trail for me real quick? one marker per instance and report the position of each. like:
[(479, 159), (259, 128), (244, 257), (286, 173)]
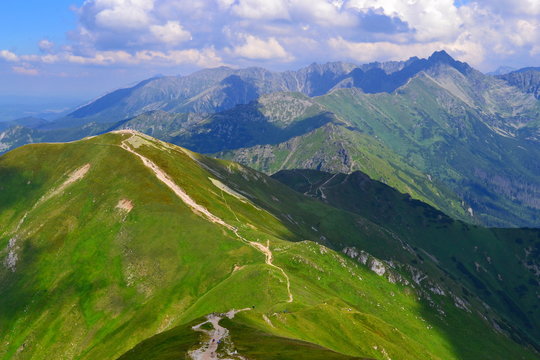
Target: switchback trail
[(202, 211)]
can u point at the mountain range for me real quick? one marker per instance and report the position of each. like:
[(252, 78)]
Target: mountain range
[(124, 246), (435, 128), (378, 211)]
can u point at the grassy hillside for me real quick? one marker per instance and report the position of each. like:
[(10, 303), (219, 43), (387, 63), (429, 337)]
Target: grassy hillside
[(111, 240), (336, 147), (476, 255), (461, 142)]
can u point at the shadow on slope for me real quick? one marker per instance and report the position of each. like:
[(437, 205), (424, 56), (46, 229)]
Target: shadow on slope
[(249, 342), (245, 126), (497, 265)]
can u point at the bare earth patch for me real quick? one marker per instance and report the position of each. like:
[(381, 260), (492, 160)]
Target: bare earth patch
[(125, 205), (72, 177)]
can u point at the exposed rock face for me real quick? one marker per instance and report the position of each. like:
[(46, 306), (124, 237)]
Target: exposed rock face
[(11, 260), (379, 267), (528, 80)]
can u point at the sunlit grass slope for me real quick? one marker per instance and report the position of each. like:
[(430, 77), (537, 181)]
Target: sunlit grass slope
[(101, 250)]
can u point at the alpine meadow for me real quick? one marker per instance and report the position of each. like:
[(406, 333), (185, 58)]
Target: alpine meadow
[(325, 180)]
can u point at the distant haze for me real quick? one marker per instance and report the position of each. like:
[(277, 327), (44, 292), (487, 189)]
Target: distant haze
[(84, 48), (15, 107)]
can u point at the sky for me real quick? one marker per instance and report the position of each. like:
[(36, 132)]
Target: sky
[(83, 48)]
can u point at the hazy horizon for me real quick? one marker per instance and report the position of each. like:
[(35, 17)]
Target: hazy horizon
[(85, 48)]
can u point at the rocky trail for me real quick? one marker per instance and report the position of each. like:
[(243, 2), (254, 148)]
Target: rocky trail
[(216, 336)]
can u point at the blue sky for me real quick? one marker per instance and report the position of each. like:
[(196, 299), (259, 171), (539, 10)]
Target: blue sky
[(82, 48), (21, 29)]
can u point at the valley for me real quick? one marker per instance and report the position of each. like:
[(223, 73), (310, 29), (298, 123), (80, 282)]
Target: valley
[(439, 130), (382, 211), (270, 180)]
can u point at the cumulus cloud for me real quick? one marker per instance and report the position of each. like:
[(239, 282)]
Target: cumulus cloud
[(117, 14), (259, 9), (516, 7), (203, 58), (367, 51), (172, 33), (430, 19), (8, 55), (292, 33), (255, 48)]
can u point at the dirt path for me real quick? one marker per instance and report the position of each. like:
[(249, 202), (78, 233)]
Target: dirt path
[(269, 258), (202, 211), (163, 177), (219, 334)]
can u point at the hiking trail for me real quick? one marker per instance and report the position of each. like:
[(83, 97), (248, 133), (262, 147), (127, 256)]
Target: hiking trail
[(219, 334), (202, 211)]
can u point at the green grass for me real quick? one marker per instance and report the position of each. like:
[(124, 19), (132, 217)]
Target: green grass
[(474, 255), (173, 344), (433, 138), (93, 282)]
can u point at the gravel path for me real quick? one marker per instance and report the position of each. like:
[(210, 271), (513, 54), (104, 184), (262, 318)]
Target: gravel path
[(208, 350)]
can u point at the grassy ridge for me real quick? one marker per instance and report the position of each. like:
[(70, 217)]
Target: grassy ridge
[(92, 280), (477, 256)]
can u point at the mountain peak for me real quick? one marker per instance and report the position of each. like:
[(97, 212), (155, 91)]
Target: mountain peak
[(441, 56)]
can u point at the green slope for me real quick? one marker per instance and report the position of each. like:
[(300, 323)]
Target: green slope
[(475, 255), (247, 341), (435, 128), (111, 240), (336, 147), (459, 142)]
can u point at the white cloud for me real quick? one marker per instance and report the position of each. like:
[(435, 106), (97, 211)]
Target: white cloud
[(46, 46), (120, 14), (206, 57), (101, 58), (203, 58), (8, 55), (514, 7), (225, 4), (324, 13), (431, 19), (367, 51), (294, 32), (25, 70), (260, 9), (255, 48), (172, 33)]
